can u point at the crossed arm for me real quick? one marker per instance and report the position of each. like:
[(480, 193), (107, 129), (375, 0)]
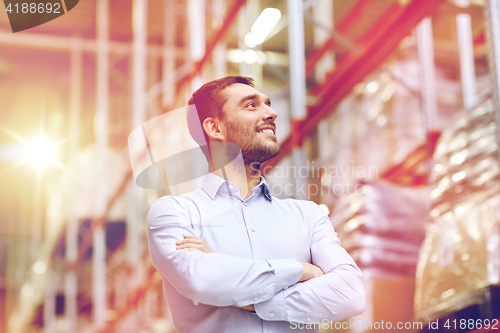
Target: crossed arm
[(193, 243), (266, 286)]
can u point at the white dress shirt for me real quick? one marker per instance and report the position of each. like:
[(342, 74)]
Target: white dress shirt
[(256, 243)]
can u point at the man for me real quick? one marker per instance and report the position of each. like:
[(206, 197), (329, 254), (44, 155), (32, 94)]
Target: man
[(236, 259)]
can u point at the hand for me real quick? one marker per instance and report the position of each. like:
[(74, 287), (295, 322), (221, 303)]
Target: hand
[(310, 271), (192, 243), (249, 307)]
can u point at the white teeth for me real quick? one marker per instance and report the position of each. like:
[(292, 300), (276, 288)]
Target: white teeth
[(270, 131)]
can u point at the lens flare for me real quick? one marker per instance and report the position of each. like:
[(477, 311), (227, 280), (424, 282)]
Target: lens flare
[(41, 152)]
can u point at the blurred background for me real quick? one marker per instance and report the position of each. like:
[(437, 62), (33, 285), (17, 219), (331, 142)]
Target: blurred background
[(390, 106)]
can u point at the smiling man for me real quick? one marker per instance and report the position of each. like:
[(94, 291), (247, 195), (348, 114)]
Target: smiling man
[(236, 259)]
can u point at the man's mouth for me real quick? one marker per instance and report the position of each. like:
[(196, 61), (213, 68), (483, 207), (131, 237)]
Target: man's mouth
[(266, 130)]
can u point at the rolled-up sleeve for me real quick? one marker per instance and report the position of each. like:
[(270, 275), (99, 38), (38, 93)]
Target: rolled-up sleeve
[(337, 295), (211, 278)]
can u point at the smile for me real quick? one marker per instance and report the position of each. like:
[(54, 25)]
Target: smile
[(269, 131)]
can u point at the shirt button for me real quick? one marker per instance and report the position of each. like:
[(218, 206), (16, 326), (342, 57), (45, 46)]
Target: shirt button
[(308, 319), (255, 299), (230, 187), (269, 331), (254, 229), (271, 315), (245, 203), (286, 287)]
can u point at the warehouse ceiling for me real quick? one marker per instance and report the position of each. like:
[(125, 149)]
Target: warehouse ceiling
[(82, 21)]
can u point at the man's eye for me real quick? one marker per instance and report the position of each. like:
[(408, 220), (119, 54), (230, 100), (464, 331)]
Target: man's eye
[(250, 105)]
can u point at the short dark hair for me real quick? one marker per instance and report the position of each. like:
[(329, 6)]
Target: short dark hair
[(209, 101)]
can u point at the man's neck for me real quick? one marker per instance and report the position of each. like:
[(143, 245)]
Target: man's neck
[(246, 178), (252, 178)]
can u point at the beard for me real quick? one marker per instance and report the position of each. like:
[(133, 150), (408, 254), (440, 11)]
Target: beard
[(254, 149)]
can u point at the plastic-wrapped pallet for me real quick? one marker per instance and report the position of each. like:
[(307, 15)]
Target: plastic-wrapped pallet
[(382, 226), (461, 253)]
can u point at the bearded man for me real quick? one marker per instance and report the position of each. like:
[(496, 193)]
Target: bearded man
[(233, 257)]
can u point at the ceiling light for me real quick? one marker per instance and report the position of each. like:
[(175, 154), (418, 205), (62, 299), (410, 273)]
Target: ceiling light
[(249, 56), (39, 267), (250, 41), (263, 26)]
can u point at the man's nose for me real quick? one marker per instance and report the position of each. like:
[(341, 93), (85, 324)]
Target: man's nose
[(269, 113)]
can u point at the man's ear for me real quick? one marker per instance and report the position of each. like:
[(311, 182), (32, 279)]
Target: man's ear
[(213, 127)]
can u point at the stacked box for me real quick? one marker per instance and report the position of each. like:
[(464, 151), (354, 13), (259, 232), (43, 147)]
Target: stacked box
[(382, 226), (461, 255)]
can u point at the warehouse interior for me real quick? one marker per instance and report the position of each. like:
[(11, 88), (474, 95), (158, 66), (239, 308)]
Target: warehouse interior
[(390, 106)]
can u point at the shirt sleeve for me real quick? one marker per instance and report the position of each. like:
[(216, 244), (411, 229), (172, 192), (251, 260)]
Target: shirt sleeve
[(337, 295), (211, 278)]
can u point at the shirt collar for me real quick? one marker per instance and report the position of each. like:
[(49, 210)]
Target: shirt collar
[(265, 188), (212, 184)]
